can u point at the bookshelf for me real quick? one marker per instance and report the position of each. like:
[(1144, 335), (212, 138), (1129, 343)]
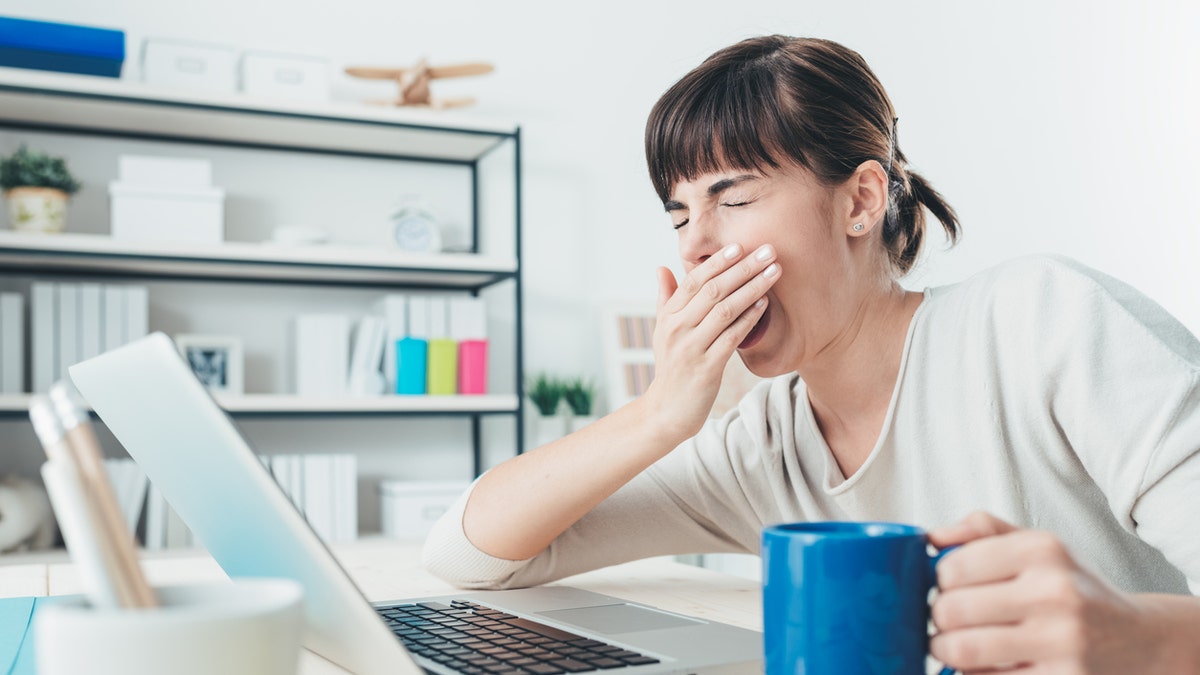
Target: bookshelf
[(79, 107)]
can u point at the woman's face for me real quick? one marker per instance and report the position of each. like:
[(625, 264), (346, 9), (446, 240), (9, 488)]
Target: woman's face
[(790, 210)]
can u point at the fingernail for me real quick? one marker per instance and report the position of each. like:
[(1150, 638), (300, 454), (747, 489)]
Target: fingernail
[(771, 271), (764, 252), (760, 302), (731, 251)]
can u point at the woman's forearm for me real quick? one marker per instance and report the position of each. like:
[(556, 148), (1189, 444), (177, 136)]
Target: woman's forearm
[(519, 507), (1175, 619)]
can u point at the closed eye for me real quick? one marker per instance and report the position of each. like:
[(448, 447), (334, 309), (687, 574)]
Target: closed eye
[(735, 203), (680, 224)]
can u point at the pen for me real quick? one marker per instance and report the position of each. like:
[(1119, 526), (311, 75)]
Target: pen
[(89, 460), (94, 557)]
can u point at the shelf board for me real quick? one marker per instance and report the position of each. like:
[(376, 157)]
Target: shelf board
[(54, 101), (283, 404), (321, 264)]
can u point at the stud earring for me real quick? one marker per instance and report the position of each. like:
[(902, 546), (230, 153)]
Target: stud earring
[(858, 227)]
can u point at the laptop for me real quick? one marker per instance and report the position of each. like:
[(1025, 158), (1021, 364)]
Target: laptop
[(191, 451)]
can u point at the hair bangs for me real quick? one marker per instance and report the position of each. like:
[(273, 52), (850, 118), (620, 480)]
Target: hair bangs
[(712, 122)]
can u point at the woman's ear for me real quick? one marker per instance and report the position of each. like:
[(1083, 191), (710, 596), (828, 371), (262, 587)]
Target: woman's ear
[(867, 193)]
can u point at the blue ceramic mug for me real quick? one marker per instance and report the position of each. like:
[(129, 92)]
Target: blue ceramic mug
[(846, 598)]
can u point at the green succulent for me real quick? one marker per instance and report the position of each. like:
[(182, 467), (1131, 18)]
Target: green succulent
[(546, 392), (579, 394), (35, 169)]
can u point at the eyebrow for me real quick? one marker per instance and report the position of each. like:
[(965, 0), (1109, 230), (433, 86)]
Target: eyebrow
[(713, 190)]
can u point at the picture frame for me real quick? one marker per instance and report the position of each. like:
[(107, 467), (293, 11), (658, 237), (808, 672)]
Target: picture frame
[(216, 360)]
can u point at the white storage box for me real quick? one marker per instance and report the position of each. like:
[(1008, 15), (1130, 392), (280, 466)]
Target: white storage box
[(410, 508), (285, 76), (189, 65), (181, 215), (165, 172)]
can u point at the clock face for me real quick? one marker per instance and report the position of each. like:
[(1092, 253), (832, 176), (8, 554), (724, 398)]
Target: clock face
[(415, 233)]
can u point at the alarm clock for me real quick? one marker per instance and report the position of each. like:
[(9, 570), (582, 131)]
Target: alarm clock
[(415, 230)]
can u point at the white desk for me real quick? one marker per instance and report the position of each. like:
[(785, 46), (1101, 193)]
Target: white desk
[(387, 570)]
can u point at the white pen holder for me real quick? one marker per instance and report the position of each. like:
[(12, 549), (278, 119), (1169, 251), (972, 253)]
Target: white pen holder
[(243, 627)]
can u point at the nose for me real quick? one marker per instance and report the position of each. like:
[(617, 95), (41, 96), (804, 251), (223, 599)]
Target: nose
[(697, 243)]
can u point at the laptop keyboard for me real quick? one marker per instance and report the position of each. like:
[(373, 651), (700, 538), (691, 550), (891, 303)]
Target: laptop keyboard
[(474, 639)]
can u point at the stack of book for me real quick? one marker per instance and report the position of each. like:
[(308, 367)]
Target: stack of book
[(324, 489), (409, 344), (73, 322)]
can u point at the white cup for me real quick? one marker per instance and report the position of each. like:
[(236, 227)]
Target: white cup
[(244, 627)]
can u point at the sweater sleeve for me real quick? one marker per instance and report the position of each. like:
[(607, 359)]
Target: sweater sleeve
[(1125, 388), (690, 501)]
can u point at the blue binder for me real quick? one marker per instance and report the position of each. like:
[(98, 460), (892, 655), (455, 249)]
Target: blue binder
[(67, 48)]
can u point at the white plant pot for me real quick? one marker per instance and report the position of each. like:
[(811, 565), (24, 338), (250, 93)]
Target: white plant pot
[(37, 209), (547, 429), (577, 422)]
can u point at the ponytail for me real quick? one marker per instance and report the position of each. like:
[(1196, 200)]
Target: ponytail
[(904, 227)]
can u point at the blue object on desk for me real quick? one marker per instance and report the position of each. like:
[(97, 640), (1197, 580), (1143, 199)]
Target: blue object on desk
[(16, 633), (61, 47)]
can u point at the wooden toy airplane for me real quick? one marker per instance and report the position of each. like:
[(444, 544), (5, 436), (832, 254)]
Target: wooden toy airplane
[(414, 82)]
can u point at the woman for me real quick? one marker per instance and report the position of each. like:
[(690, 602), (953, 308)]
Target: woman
[(1040, 393)]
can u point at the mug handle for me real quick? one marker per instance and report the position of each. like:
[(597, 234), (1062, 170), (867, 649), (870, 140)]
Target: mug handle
[(933, 562)]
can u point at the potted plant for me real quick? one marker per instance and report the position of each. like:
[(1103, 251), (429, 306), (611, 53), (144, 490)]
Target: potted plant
[(579, 394), (36, 187), (546, 394)]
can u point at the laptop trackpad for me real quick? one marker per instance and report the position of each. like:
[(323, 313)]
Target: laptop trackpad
[(613, 619)]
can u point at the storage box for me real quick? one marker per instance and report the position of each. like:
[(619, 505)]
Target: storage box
[(410, 508), (191, 66), (66, 48), (181, 215), (285, 76), (166, 172)]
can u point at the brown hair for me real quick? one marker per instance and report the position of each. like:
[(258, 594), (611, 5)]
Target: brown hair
[(773, 100)]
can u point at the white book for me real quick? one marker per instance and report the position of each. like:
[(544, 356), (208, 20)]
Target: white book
[(12, 343), (305, 333), (439, 317), (68, 327), (114, 317), (43, 333), (338, 344), (318, 495), (468, 318), (155, 537), (137, 312), (420, 320), (394, 310), (91, 320), (321, 354), (363, 378), (349, 497), (337, 484)]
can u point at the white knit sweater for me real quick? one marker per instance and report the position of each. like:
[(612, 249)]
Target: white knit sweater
[(1044, 392)]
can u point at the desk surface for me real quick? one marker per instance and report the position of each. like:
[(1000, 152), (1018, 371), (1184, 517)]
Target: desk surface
[(387, 570)]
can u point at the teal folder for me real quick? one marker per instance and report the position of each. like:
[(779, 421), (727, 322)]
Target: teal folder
[(16, 633)]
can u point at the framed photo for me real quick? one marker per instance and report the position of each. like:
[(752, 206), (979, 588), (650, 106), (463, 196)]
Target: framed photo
[(215, 359)]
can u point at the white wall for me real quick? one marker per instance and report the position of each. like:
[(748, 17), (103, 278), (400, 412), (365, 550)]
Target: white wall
[(1068, 127)]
